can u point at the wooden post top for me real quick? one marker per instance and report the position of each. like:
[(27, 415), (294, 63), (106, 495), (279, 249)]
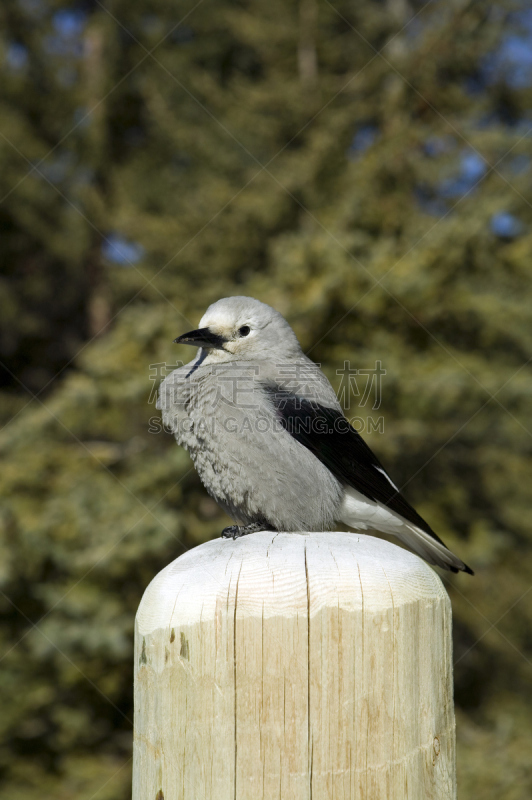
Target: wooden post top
[(286, 574)]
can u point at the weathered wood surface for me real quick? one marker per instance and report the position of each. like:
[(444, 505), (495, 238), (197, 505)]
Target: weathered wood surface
[(294, 666)]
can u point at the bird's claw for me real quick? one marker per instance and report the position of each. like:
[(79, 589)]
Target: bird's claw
[(233, 532), (236, 531)]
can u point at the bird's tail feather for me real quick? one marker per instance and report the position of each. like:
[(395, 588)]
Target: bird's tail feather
[(430, 549)]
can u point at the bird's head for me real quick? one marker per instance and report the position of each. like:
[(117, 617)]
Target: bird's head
[(242, 329)]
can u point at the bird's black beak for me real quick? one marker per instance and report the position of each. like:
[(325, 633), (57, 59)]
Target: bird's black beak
[(203, 337)]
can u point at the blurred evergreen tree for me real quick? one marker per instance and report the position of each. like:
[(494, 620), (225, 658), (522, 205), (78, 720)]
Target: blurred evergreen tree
[(365, 168)]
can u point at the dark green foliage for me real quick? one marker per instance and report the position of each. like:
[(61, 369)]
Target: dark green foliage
[(381, 201)]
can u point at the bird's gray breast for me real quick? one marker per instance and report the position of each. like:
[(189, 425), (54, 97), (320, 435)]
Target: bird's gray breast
[(244, 457)]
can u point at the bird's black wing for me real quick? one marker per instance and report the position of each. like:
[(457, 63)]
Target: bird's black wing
[(332, 439)]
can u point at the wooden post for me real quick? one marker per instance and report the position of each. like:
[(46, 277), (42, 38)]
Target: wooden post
[(295, 666)]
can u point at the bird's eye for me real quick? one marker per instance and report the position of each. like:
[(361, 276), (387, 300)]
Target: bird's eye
[(244, 330)]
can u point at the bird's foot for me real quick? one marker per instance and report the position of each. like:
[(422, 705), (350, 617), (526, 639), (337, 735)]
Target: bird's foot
[(236, 531)]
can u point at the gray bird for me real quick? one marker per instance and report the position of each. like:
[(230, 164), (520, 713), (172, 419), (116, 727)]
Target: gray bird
[(269, 439)]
